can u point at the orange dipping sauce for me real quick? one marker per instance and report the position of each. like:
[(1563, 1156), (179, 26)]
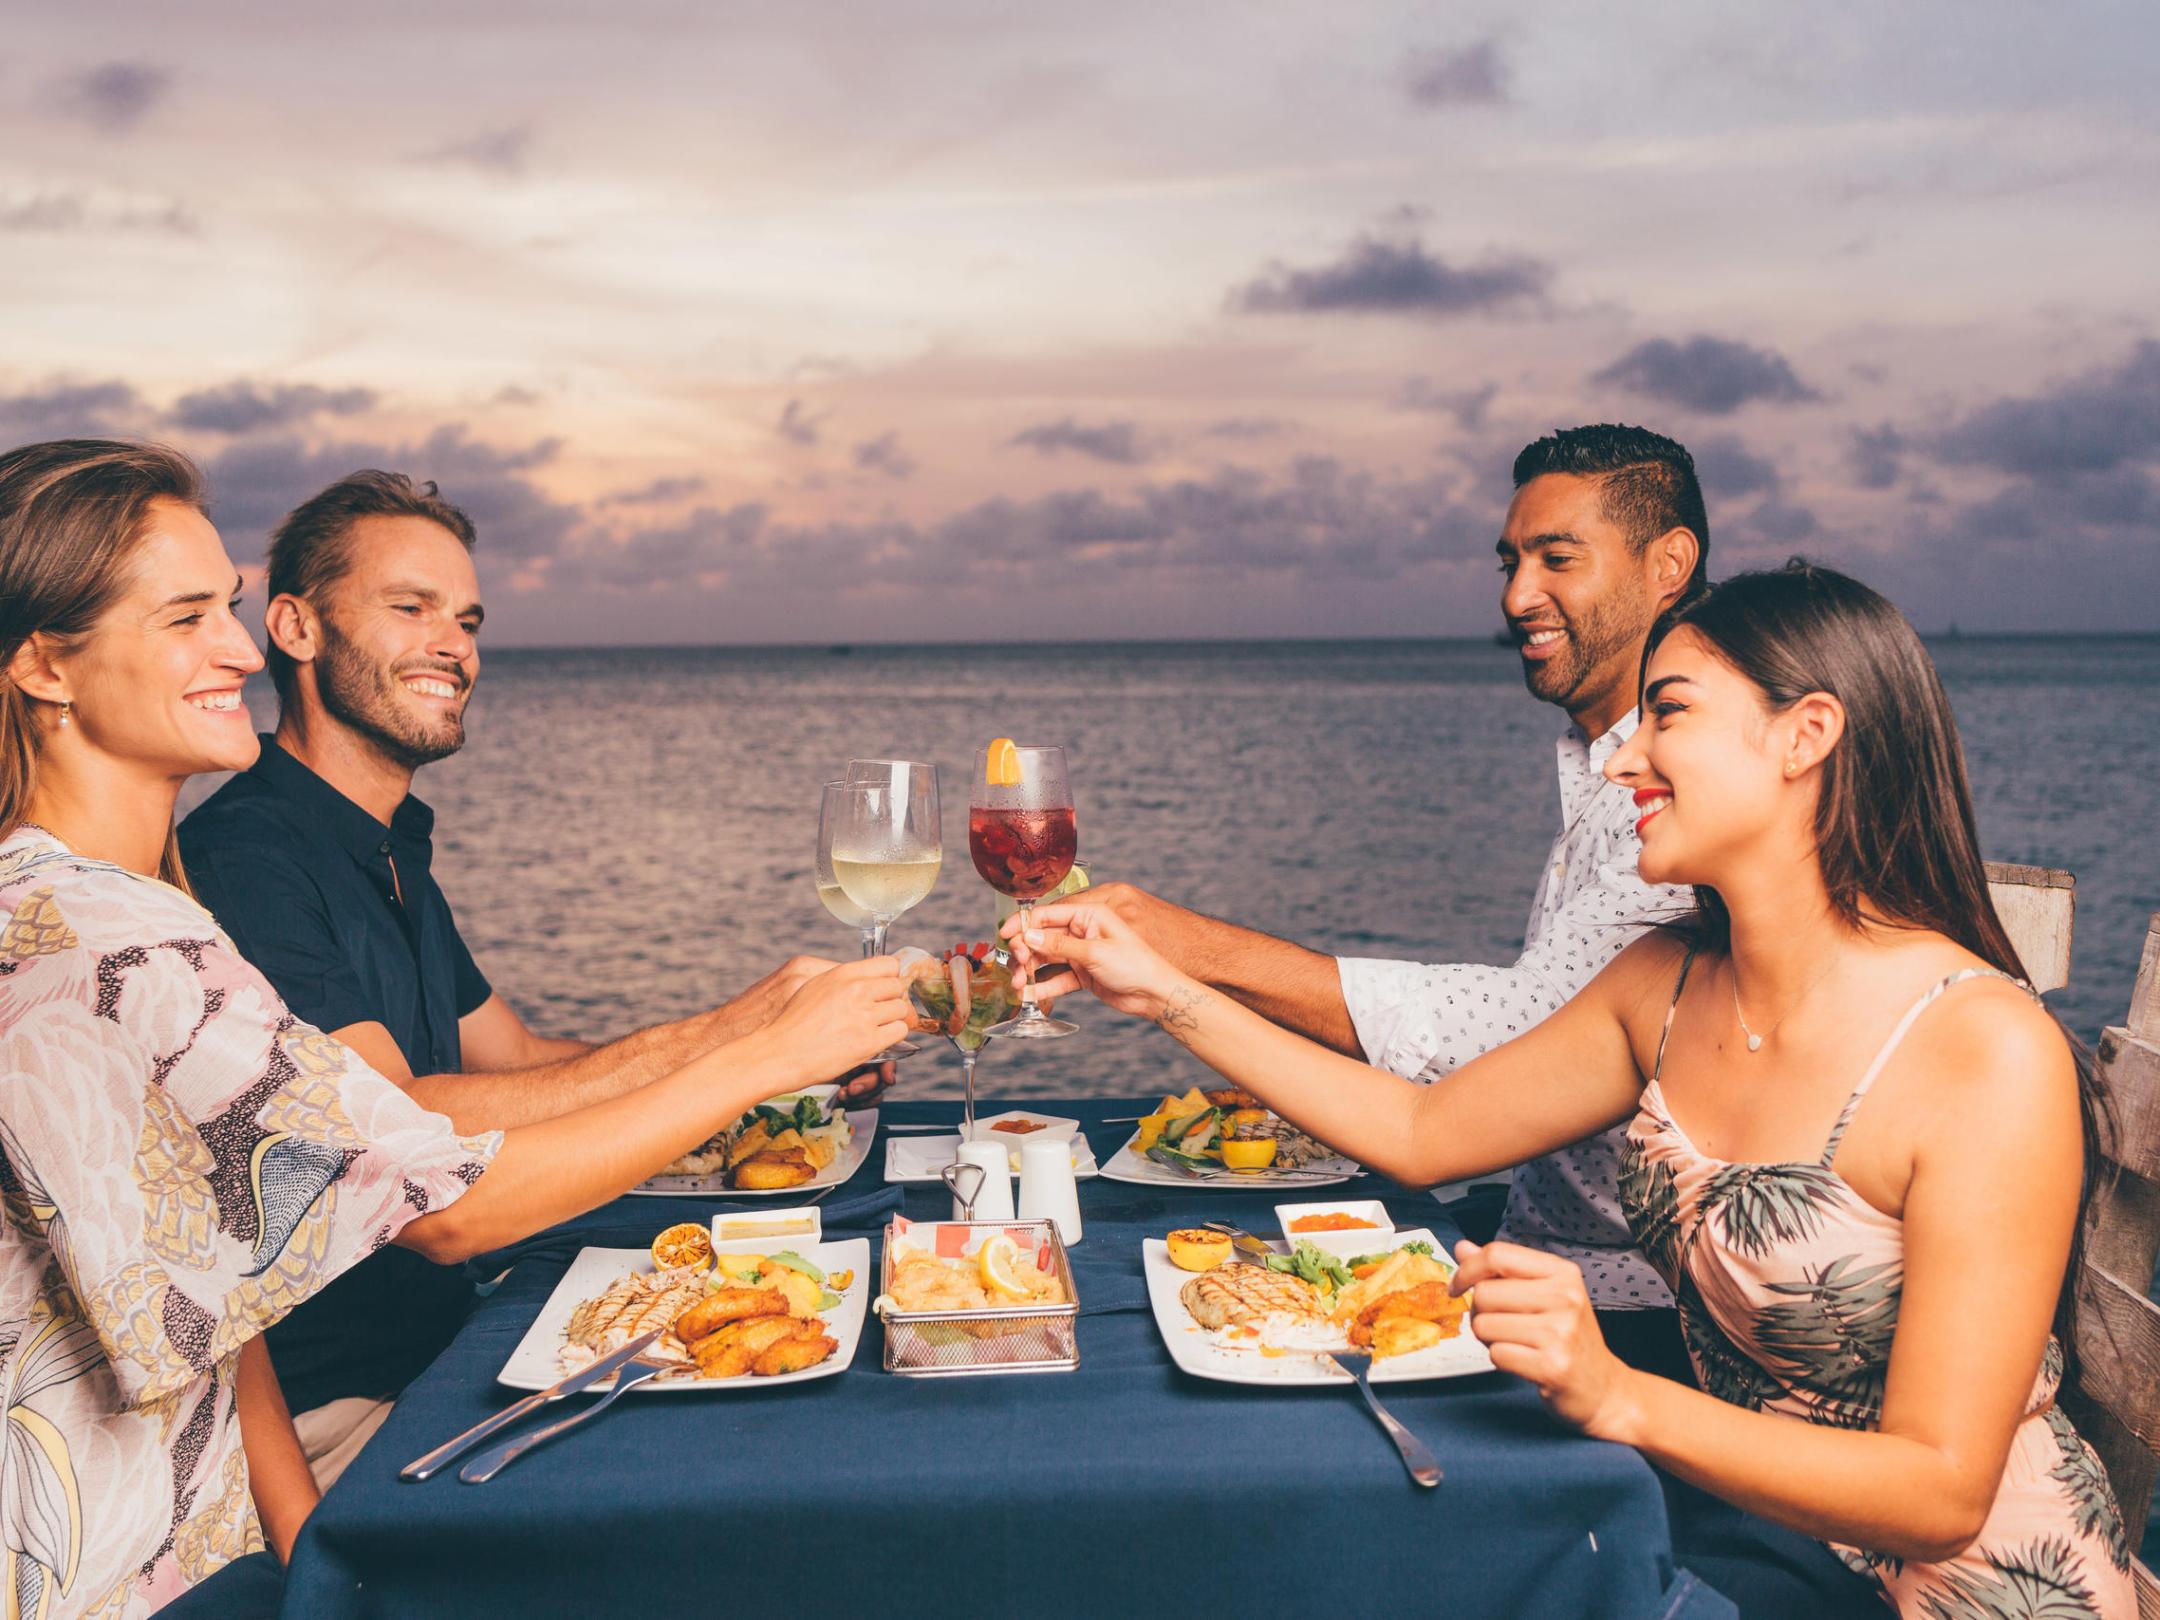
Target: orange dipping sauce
[(1331, 1223), (1021, 1127)]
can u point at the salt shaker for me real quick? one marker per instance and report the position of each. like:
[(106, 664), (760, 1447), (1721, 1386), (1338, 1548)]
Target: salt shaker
[(1047, 1189)]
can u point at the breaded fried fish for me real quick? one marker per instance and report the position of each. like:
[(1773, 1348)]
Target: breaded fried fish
[(725, 1305), (729, 1352), (794, 1354)]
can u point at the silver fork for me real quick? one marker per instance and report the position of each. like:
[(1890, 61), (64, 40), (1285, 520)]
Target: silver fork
[(1358, 1364), (490, 1463)]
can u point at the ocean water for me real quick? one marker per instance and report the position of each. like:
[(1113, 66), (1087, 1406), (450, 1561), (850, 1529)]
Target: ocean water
[(628, 835)]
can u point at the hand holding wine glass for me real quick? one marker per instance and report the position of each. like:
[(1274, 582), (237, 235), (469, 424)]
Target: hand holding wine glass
[(1111, 959), (1022, 837)]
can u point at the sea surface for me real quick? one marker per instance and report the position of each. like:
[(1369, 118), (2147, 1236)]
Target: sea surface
[(627, 836)]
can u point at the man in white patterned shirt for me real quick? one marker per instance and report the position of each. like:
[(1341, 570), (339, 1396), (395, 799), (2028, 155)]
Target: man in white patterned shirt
[(1606, 530)]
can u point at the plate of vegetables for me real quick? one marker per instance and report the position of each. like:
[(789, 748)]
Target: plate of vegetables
[(1224, 1138)]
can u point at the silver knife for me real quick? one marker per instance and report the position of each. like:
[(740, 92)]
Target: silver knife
[(420, 1467), (494, 1460)]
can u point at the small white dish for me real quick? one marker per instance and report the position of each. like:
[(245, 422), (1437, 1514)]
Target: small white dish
[(760, 1231), (1378, 1234), (1048, 1128)]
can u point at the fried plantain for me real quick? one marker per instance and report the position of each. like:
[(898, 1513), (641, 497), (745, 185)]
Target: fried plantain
[(768, 1170), (729, 1352), (1427, 1302), (725, 1305), (793, 1354)]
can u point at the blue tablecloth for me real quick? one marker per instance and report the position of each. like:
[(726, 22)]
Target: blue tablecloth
[(1123, 1488)]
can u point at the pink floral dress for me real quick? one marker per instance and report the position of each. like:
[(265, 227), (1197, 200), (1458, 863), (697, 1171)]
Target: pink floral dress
[(181, 1163), (1788, 1282)]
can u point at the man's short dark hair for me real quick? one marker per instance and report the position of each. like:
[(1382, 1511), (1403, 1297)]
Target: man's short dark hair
[(312, 549), (1650, 485)]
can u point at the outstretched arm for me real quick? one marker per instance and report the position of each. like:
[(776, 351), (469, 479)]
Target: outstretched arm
[(1572, 1075), (1282, 981), (506, 1085), (556, 1168)]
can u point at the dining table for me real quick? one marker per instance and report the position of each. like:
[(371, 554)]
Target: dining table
[(1124, 1486)]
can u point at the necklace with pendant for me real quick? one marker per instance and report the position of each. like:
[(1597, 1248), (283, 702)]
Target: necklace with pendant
[(1755, 1041)]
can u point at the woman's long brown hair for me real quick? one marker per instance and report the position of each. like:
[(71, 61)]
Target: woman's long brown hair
[(1894, 832), (72, 513)]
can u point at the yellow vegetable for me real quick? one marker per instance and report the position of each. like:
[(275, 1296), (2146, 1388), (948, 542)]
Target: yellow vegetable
[(1151, 1129), (1249, 1155), (1194, 1250)]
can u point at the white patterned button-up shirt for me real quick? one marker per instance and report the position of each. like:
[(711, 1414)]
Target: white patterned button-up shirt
[(1424, 1021)]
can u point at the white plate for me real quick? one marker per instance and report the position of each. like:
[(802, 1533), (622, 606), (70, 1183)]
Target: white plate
[(1195, 1350), (920, 1158), (861, 1122), (1129, 1164), (534, 1364)]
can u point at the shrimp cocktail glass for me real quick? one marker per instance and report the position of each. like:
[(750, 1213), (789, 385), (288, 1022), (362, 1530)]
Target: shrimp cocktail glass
[(961, 995), (1022, 839)]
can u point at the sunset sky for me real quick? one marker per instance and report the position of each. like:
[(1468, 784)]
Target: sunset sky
[(847, 321)]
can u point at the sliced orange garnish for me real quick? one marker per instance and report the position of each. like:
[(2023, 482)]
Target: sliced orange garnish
[(688, 1244), (1001, 766)]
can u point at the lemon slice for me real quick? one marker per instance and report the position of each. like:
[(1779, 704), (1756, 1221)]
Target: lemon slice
[(686, 1245), (1000, 1261), (1001, 764)]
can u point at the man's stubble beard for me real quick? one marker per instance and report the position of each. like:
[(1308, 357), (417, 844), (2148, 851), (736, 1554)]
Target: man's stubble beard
[(363, 696), (1599, 640)]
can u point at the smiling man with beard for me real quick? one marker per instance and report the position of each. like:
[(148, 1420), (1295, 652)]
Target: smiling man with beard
[(1606, 530), (316, 860)]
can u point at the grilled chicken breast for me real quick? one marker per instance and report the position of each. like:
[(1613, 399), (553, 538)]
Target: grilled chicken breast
[(1234, 1296)]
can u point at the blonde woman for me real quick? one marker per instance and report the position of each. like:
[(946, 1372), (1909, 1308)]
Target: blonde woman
[(181, 1160)]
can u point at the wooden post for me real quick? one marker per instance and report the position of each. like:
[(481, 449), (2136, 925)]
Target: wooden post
[(2116, 1402), (2037, 905)]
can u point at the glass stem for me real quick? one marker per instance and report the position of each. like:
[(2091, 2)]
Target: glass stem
[(875, 938), (869, 941), (967, 1107), (1027, 990)]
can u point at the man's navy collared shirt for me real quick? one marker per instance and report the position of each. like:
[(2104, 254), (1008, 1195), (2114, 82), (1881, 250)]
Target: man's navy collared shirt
[(345, 920)]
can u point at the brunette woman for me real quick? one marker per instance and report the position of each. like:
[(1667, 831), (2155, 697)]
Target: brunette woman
[(1859, 1147)]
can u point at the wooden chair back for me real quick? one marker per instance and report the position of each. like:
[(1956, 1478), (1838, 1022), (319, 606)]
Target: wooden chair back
[(2037, 904), (2116, 1400)]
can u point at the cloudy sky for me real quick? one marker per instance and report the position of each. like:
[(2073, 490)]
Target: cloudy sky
[(895, 321)]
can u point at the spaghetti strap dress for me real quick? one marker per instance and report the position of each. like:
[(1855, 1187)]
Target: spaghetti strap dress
[(1788, 1284)]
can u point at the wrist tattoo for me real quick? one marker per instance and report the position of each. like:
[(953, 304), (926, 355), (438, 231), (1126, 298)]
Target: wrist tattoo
[(1181, 1013)]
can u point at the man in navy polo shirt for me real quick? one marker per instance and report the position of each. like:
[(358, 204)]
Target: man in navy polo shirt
[(316, 861)]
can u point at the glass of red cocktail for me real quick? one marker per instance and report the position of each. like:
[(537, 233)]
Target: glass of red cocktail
[(1022, 839)]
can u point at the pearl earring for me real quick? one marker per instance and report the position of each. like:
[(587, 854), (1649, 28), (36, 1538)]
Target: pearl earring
[(1790, 767), (66, 711)]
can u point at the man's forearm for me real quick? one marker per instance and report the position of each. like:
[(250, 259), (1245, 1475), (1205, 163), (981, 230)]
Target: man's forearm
[(500, 1099), (1283, 982)]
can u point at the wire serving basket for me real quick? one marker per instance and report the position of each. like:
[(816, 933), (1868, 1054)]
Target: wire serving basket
[(1001, 1339)]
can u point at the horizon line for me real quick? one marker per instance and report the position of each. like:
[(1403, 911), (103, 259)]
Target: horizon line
[(1488, 639)]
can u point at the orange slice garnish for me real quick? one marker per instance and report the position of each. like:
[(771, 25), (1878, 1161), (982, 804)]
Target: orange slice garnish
[(1001, 764), (686, 1245)]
